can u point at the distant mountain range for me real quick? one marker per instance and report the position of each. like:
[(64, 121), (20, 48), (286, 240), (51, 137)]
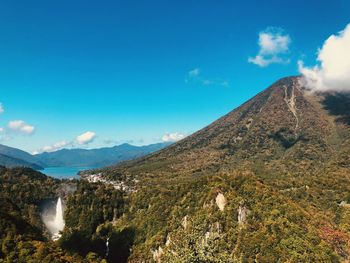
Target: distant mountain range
[(12, 157), (10, 162), (97, 157)]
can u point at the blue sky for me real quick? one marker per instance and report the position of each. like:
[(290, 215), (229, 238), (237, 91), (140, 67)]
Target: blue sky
[(133, 71)]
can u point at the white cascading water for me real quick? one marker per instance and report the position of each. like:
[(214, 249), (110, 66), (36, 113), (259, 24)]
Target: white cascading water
[(59, 221), (56, 223), (107, 247)]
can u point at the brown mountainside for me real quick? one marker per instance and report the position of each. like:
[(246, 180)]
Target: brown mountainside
[(268, 182)]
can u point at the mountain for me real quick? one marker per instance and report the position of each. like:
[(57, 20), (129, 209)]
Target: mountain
[(283, 123), (96, 157), (11, 157), (268, 182)]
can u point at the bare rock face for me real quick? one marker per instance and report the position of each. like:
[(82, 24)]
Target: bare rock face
[(168, 240), (344, 204), (221, 201), (157, 254), (243, 212), (184, 222), (213, 232)]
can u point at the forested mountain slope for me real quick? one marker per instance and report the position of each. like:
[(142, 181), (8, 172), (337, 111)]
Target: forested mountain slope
[(269, 181)]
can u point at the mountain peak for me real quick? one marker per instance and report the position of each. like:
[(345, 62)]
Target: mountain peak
[(283, 121)]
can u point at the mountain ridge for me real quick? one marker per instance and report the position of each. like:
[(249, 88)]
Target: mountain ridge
[(97, 157), (11, 162), (12, 157)]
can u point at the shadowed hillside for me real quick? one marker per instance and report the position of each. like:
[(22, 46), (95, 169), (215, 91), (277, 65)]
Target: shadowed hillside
[(11, 157)]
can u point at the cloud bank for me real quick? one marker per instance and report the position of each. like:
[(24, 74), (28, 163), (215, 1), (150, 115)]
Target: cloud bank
[(21, 127), (1, 108), (273, 44), (333, 71), (173, 137)]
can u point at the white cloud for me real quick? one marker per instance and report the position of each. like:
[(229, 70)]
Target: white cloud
[(20, 126), (55, 147), (86, 138), (262, 61), (173, 137), (1, 108), (82, 139), (273, 43), (333, 71), (1, 129)]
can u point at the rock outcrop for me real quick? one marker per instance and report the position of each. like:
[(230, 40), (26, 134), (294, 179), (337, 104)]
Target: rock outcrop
[(221, 201)]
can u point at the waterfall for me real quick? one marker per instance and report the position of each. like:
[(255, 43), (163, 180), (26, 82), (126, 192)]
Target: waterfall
[(107, 247), (55, 222), (59, 221)]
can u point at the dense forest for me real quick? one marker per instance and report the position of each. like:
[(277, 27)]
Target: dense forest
[(89, 215)]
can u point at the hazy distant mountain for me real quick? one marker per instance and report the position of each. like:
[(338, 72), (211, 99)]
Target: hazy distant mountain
[(11, 157), (8, 161), (97, 157)]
